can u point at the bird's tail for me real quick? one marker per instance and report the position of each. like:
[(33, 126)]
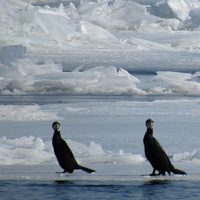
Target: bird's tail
[(178, 171), (86, 169)]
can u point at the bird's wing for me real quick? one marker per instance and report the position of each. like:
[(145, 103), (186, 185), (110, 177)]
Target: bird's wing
[(159, 147), (65, 157), (161, 155)]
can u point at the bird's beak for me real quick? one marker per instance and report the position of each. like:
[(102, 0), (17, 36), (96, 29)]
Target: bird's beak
[(56, 126), (150, 124)]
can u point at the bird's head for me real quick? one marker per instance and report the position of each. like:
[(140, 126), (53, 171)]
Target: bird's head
[(149, 123), (56, 126)]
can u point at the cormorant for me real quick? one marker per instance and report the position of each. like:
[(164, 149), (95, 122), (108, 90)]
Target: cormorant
[(156, 154), (64, 154)]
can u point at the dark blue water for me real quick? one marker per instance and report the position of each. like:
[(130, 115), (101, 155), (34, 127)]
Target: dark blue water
[(154, 189)]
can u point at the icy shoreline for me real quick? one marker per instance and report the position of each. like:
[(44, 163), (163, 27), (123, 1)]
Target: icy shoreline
[(102, 135)]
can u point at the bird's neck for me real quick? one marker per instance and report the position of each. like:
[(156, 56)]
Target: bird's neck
[(148, 138), (57, 134), (149, 132)]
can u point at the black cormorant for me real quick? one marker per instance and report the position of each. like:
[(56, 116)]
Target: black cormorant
[(64, 154), (156, 154)]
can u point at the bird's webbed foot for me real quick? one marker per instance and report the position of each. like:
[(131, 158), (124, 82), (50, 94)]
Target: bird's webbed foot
[(61, 172), (154, 174)]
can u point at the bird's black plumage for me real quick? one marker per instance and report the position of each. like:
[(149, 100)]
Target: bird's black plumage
[(155, 154), (64, 154)]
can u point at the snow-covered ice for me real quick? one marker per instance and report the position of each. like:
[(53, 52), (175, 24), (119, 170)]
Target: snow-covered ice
[(77, 50)]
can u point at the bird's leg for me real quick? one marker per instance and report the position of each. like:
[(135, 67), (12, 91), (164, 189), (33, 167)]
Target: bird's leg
[(153, 173), (162, 172)]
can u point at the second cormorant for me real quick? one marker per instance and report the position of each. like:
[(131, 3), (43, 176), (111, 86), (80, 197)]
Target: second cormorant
[(156, 154), (64, 154)]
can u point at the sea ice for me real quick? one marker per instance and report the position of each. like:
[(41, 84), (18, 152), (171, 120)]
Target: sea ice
[(106, 136), (99, 48)]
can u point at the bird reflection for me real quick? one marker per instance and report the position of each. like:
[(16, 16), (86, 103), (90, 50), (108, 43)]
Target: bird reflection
[(155, 189), (156, 182)]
